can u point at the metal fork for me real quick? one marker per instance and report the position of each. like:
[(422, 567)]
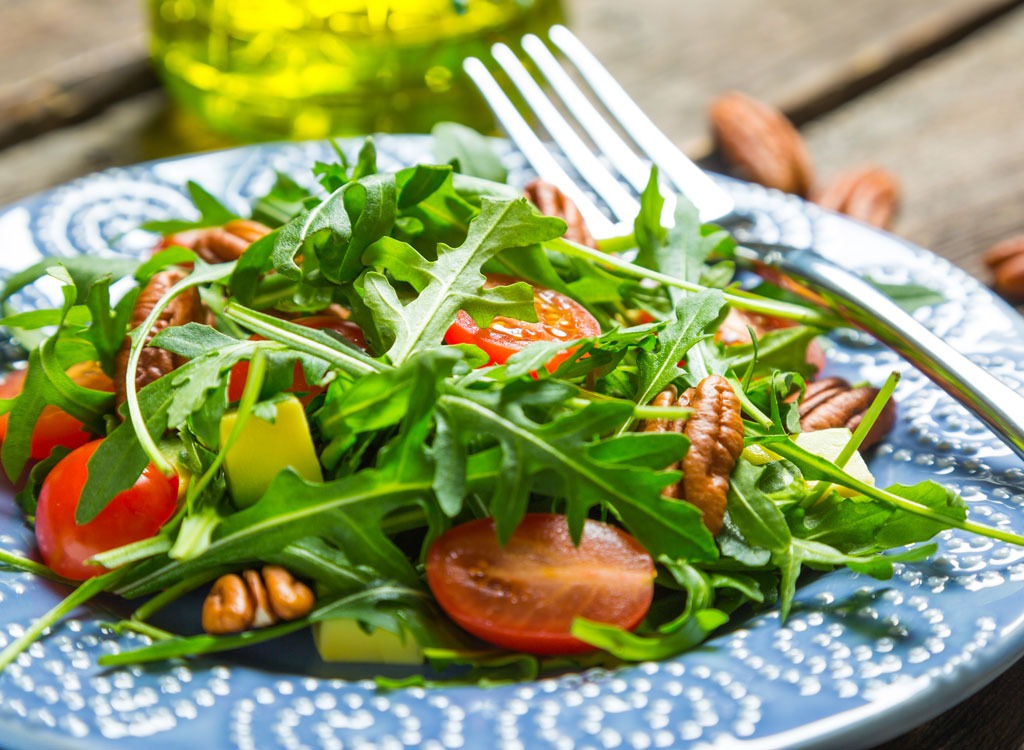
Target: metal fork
[(820, 279)]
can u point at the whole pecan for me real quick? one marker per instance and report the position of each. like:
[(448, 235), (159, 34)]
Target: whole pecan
[(1006, 261), (760, 143), (715, 430), (153, 362), (870, 194), (220, 244), (255, 599), (832, 402), (551, 201)]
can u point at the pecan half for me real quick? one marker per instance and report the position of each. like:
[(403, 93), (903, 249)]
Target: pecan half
[(832, 402), (154, 362), (255, 599), (220, 244), (667, 397), (715, 430), (1006, 261), (760, 143), (870, 194), (553, 202)]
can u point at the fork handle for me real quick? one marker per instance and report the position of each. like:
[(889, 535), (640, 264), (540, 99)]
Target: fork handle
[(865, 307)]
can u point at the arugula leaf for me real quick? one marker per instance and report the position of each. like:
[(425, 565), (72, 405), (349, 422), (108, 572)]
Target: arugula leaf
[(691, 322), (212, 213), (909, 296), (633, 647), (783, 349), (46, 383), (755, 515), (454, 280), (285, 199), (559, 447), (471, 151), (338, 230)]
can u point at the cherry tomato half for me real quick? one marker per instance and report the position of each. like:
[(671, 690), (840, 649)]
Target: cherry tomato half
[(525, 595), (55, 427), (559, 318), (133, 515), (348, 329)]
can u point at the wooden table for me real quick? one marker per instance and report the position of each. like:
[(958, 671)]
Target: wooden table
[(930, 89)]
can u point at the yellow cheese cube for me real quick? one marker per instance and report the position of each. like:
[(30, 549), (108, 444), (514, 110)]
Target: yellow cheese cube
[(265, 449), (345, 641)]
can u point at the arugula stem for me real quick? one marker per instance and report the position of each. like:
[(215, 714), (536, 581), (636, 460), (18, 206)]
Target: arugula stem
[(195, 534), (82, 594), (139, 337), (176, 646), (250, 394), (271, 328), (742, 300), (748, 406), (31, 566), (129, 553), (639, 411), (785, 447), (144, 628), (172, 593), (661, 412)]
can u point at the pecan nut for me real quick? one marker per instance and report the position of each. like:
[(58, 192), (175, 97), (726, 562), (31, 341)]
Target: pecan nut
[(760, 143), (870, 194), (1006, 261), (832, 402), (551, 201), (220, 244), (153, 362), (715, 430), (255, 599)]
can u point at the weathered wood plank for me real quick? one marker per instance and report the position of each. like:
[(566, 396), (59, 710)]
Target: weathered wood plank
[(951, 130), (60, 63), (674, 57)]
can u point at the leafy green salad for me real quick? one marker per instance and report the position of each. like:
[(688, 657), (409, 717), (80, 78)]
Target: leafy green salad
[(404, 411)]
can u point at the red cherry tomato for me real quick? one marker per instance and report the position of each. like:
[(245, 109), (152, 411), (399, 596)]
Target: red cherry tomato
[(525, 595), (348, 329), (135, 514), (559, 318), (55, 427)]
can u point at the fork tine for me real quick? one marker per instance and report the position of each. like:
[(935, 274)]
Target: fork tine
[(536, 153), (712, 201), (606, 185), (619, 153)]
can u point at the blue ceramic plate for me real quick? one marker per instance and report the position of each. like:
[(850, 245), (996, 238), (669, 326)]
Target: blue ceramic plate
[(858, 661)]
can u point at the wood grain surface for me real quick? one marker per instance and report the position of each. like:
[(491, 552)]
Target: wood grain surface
[(933, 90), (952, 130)]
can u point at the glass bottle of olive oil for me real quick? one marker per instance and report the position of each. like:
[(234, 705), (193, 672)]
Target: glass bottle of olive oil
[(258, 69)]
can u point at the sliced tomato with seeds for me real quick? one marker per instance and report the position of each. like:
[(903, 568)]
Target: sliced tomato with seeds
[(524, 596), (559, 318)]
